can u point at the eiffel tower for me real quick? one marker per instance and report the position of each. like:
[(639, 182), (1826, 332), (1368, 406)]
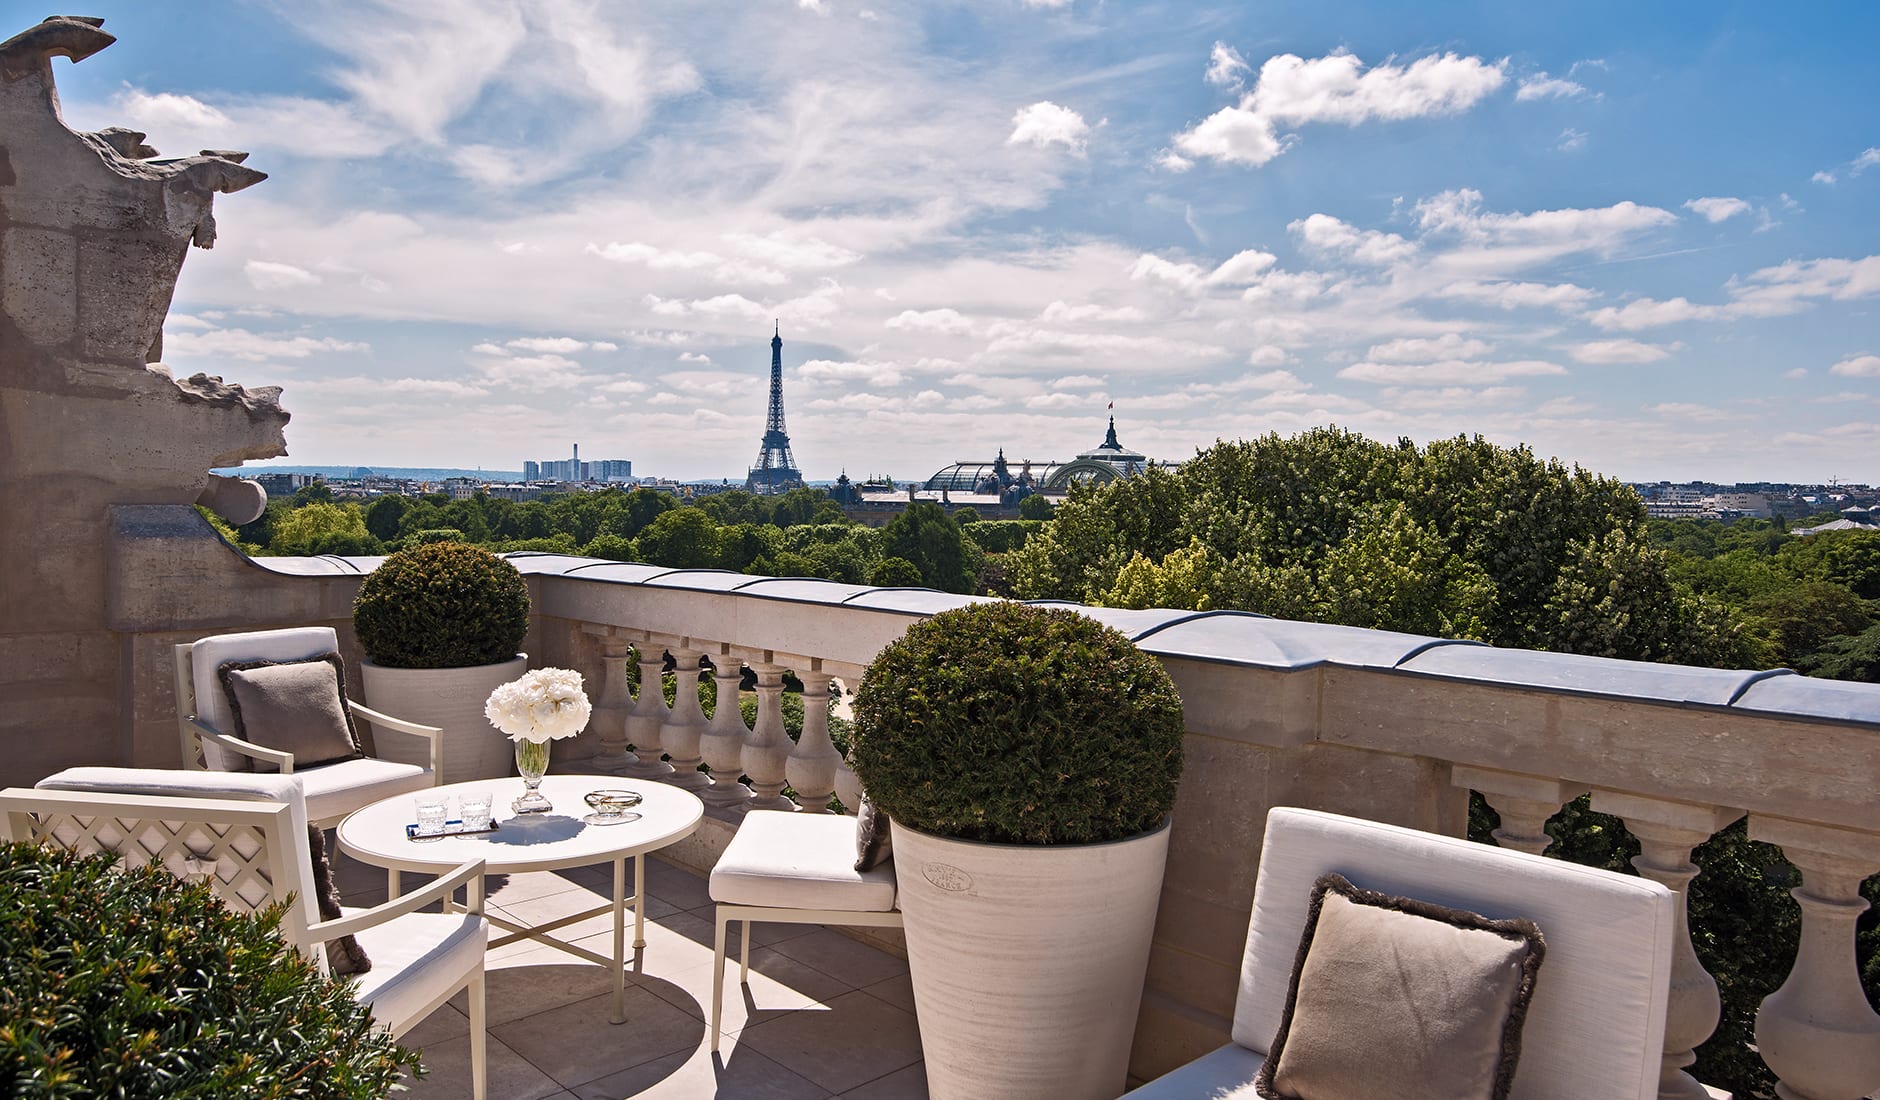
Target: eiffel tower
[(775, 470)]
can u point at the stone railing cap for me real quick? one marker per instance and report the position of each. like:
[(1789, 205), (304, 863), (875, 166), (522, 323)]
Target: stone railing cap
[(1571, 672), (917, 601), (1242, 638), (1812, 697), (1132, 622), (803, 589), (324, 565)]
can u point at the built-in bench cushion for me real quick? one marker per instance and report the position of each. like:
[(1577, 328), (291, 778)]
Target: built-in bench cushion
[(799, 861)]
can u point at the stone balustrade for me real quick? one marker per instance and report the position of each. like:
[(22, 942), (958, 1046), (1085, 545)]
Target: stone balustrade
[(1394, 727)]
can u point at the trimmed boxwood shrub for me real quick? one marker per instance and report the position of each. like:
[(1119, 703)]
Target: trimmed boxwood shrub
[(137, 986), (1015, 724), (442, 605)]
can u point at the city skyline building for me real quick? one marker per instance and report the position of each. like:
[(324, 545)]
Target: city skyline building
[(775, 470)]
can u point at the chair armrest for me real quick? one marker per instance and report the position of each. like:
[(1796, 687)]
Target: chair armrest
[(282, 760), (432, 734), (468, 874)]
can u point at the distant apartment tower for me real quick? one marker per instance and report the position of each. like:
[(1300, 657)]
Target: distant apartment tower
[(573, 469)]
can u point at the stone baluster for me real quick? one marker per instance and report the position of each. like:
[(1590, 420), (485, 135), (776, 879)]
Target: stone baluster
[(722, 744), (1667, 832), (848, 784), (685, 725), (648, 716), (768, 746), (611, 706), (811, 767), (1817, 1033), (1525, 802)]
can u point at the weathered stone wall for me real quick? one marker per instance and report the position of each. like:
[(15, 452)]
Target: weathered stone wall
[(92, 235)]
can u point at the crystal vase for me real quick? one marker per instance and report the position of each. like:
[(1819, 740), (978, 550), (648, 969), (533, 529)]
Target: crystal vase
[(532, 763)]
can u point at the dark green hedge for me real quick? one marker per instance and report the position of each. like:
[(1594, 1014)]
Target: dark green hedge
[(1015, 724), (442, 605), (136, 986)]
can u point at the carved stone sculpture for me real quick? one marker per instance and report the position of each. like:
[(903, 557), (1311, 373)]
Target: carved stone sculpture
[(93, 231)]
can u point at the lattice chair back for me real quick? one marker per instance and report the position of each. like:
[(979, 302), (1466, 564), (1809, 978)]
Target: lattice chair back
[(246, 832)]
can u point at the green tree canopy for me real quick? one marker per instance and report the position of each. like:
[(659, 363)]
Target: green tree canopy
[(1462, 538), (928, 538), (684, 538)]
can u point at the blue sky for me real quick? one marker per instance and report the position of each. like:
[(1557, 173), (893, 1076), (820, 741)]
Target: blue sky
[(1639, 237)]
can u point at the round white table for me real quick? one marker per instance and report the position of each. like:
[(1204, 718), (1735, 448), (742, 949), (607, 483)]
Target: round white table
[(551, 841)]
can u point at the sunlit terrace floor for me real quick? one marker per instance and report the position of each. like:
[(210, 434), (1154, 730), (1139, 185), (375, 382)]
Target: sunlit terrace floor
[(824, 1015)]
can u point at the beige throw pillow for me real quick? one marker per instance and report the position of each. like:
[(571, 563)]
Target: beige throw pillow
[(1397, 997), (294, 706)]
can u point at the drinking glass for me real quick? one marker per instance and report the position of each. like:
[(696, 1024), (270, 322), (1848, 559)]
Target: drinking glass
[(474, 809), (432, 813)]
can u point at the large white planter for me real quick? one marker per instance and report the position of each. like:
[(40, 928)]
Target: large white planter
[(1028, 962), (452, 699)]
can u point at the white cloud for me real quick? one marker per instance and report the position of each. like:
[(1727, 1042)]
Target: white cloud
[(559, 345), (1858, 366), (880, 375), (1326, 234), (1621, 351), (1046, 123), (714, 266), (723, 305), (254, 347), (695, 357), (817, 6), (1715, 210), (1062, 314), (1293, 91), (268, 275), (1268, 355), (948, 321), (1241, 269), (1823, 177), (1684, 410), (1650, 313), (1861, 163), (1427, 349), (1451, 372), (1516, 295), (1497, 242), (1542, 86), (1078, 382), (1570, 140), (1796, 372), (1226, 68)]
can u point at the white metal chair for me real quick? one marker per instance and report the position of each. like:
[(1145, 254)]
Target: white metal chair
[(1595, 1026), (793, 868), (249, 834), (205, 723)]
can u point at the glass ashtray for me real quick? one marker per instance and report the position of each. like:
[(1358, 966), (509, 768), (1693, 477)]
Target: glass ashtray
[(610, 806)]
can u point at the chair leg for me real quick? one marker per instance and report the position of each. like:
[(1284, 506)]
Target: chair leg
[(479, 1046), (718, 979), (744, 952)]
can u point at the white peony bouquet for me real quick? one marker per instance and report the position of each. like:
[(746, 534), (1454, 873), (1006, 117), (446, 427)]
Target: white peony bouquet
[(545, 705)]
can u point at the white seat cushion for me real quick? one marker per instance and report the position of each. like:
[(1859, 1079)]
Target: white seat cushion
[(400, 989), (1224, 1074), (333, 790), (784, 860)]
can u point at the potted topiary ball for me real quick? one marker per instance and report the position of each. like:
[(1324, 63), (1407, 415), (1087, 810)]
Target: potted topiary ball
[(1028, 758), (441, 624)]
